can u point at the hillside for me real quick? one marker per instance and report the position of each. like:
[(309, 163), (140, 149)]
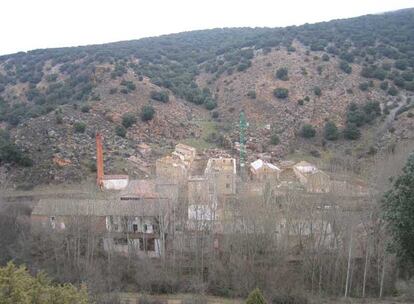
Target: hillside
[(357, 73)]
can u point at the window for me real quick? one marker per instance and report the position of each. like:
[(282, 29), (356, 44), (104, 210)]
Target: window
[(146, 244), (53, 222), (135, 227), (121, 241)]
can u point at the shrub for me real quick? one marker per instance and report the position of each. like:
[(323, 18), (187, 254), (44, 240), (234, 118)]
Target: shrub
[(85, 108), (10, 153), (319, 69), (331, 131), (306, 98), (215, 114), (344, 66), (351, 131), (59, 119), (147, 113), (79, 127), (317, 91), (364, 86), (300, 102), (128, 119), (355, 116), (120, 131), (407, 75), (384, 85), (399, 81), (274, 139), (307, 131), (281, 93), (392, 91), (325, 57), (282, 74), (252, 94), (256, 297), (160, 96), (113, 91), (210, 104), (401, 64)]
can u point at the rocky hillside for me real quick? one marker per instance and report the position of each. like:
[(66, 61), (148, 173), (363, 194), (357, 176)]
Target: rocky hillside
[(319, 88)]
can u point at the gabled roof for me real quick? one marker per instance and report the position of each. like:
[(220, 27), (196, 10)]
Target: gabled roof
[(305, 167), (90, 207), (257, 164)]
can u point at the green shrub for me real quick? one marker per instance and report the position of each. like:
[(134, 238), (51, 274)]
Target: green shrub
[(274, 139), (282, 74), (79, 127), (252, 94), (256, 297), (147, 113), (325, 57), (86, 108), (401, 64), (113, 91), (128, 119), (331, 131), (351, 131), (392, 91), (344, 66), (307, 131), (364, 86), (210, 104), (120, 131), (10, 153), (162, 96), (300, 102), (281, 93), (317, 91), (306, 98), (384, 85)]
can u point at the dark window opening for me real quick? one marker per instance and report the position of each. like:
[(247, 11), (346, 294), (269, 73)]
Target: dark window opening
[(121, 241)]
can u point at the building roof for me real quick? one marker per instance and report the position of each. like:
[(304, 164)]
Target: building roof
[(107, 177), (257, 164), (305, 167), (140, 188), (90, 207)]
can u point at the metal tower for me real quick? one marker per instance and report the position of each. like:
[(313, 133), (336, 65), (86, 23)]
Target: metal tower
[(243, 127)]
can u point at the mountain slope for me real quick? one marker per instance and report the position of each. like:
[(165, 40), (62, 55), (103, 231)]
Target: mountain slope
[(46, 94)]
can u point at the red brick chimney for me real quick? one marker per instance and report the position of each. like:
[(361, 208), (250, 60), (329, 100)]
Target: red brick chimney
[(99, 161)]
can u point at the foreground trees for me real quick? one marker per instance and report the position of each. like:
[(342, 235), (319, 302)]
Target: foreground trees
[(18, 286), (398, 207)]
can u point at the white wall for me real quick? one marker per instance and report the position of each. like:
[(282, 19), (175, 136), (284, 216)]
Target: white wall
[(115, 184)]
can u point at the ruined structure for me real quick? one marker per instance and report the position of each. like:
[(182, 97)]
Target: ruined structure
[(262, 171), (137, 227), (313, 179), (221, 175)]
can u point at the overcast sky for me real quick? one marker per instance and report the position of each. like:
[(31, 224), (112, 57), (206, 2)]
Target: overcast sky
[(32, 24)]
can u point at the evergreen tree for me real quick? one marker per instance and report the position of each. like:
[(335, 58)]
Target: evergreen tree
[(398, 211), (351, 131), (18, 286), (331, 131), (256, 297)]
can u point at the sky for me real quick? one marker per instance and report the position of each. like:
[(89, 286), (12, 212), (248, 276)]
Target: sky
[(33, 24)]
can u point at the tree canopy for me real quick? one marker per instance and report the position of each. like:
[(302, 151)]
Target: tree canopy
[(18, 286), (398, 211)]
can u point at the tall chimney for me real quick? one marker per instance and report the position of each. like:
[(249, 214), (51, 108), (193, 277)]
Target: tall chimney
[(99, 161)]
